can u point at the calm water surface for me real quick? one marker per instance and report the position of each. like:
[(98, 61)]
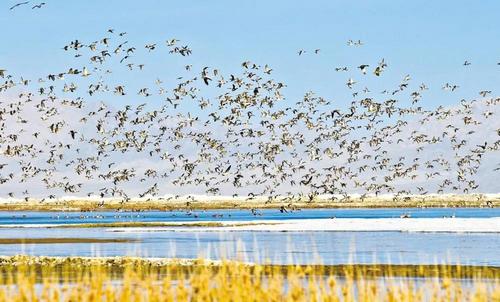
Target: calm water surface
[(241, 215), (278, 247)]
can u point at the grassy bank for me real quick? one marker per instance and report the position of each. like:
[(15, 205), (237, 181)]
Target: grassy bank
[(119, 265), (416, 201)]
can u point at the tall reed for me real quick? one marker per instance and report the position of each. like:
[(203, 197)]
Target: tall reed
[(122, 279)]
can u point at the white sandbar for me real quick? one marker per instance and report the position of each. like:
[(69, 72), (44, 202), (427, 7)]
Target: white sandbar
[(453, 225)]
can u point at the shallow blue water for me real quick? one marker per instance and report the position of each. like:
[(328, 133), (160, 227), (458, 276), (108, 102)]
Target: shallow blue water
[(241, 215), (279, 247)]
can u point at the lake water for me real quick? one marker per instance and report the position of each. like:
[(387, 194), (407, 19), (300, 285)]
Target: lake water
[(240, 215), (278, 247)]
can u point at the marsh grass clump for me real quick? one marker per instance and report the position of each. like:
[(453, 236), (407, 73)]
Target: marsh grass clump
[(49, 279)]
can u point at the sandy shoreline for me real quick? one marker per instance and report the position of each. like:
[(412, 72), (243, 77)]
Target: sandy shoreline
[(438, 225)]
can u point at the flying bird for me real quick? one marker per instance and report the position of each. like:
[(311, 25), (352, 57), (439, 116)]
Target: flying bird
[(38, 5), (19, 4)]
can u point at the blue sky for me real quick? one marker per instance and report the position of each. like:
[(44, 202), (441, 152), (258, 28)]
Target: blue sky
[(429, 40)]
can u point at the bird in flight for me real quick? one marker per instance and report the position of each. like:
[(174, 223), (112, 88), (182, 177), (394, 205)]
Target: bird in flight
[(39, 5), (19, 4), (354, 43), (363, 68)]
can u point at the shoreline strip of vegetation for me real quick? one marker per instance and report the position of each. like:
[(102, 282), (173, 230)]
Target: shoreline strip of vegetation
[(24, 278), (157, 265), (444, 201)]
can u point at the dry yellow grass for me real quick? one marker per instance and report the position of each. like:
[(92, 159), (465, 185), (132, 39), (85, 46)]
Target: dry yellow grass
[(122, 279), (447, 200)]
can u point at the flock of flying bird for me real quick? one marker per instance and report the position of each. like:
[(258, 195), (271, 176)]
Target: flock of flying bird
[(36, 6), (229, 133)]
